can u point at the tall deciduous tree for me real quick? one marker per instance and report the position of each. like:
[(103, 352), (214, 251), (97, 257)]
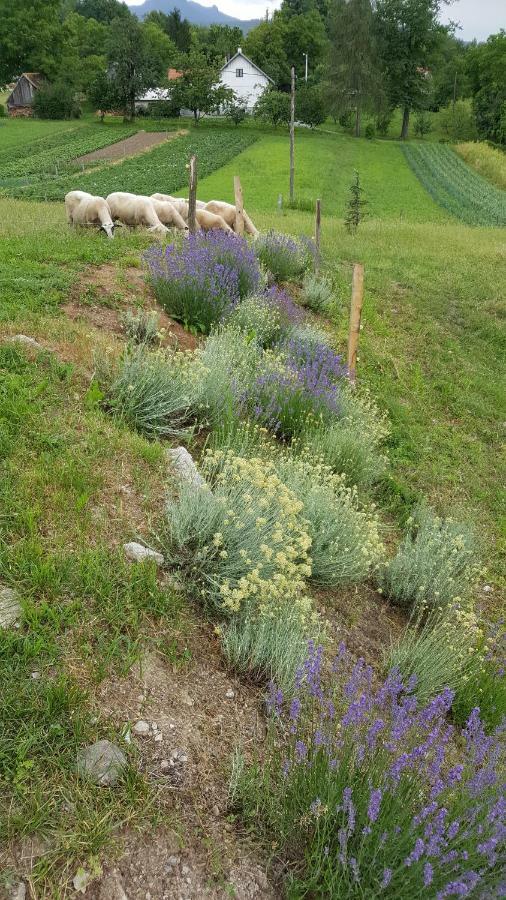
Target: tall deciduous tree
[(354, 78), (132, 67), (199, 88), (30, 37), (408, 33), (487, 73), (104, 11)]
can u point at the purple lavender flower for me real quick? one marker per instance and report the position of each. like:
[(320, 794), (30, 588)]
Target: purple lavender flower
[(374, 804), (300, 751), (284, 256), (387, 877), (428, 874)]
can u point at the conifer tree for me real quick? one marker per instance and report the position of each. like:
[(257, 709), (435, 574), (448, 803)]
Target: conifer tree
[(356, 203)]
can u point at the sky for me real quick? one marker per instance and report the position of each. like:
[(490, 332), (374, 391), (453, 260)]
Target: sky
[(478, 18)]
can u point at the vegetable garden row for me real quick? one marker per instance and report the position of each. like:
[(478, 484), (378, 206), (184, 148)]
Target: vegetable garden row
[(455, 186), (374, 784)]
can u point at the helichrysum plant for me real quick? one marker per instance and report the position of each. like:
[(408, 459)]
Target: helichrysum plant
[(199, 282), (241, 540), (436, 562), (371, 793), (150, 391), (285, 257), (266, 317), (345, 537), (142, 327), (317, 292)]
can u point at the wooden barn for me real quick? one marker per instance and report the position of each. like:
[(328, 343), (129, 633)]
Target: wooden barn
[(20, 101)]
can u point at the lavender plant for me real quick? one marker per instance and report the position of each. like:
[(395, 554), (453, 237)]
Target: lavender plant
[(199, 282), (372, 794), (436, 562), (266, 317), (283, 256)]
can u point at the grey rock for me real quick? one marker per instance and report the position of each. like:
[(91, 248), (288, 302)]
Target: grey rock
[(18, 891), (138, 553), (141, 728), (10, 607), (230, 694), (183, 464), (102, 762), (24, 339)]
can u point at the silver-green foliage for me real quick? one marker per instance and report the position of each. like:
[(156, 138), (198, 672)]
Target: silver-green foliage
[(436, 562), (259, 320), (142, 327), (149, 392), (228, 364), (317, 292)]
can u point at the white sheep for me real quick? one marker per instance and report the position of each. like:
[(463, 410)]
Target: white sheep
[(85, 209), (129, 209), (208, 221), (179, 203), (168, 213), (227, 211)]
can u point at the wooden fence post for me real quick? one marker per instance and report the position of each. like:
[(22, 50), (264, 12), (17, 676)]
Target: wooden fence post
[(317, 234), (292, 137), (192, 196), (357, 299), (239, 206)]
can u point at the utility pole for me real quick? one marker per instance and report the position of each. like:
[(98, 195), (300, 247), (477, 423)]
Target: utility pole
[(306, 55), (292, 136)]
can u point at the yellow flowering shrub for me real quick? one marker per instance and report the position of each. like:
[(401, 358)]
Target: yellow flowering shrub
[(243, 539)]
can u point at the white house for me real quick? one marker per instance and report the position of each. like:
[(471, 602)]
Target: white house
[(245, 78)]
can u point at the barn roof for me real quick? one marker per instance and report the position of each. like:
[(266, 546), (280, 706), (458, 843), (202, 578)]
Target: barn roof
[(35, 78)]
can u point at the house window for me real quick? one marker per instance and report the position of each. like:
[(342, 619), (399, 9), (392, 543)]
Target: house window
[(239, 73)]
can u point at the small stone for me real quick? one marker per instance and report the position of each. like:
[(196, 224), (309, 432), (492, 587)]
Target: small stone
[(173, 861), (102, 762), (154, 726), (24, 339), (164, 765), (18, 891), (138, 553), (185, 870), (216, 810), (159, 737), (183, 758), (35, 675), (81, 880), (183, 464), (10, 608), (141, 727), (230, 694), (487, 588), (172, 726)]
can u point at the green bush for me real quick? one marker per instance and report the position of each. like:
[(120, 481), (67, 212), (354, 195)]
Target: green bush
[(383, 121), (56, 101), (142, 327), (317, 292), (228, 362), (457, 121), (370, 131), (2, 111), (436, 563), (423, 124)]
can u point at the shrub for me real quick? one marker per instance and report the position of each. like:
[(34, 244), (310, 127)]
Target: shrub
[(201, 281), (457, 122), (236, 111), (266, 317), (149, 391), (423, 124), (310, 105), (435, 562), (317, 292), (367, 793), (228, 364), (241, 541), (383, 121), (370, 131), (284, 256), (273, 107), (2, 111), (345, 541), (56, 101), (352, 445), (440, 649), (142, 327)]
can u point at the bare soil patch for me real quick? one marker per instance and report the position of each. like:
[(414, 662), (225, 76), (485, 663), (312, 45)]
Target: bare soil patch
[(137, 143), (105, 293)]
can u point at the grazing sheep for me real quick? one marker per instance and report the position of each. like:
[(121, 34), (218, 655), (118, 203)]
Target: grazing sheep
[(133, 210), (179, 203), (208, 221), (168, 213), (227, 212), (85, 209)]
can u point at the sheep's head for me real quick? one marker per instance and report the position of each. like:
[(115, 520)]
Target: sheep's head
[(108, 227)]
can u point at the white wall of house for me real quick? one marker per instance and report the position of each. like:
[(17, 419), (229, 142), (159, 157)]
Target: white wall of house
[(248, 81)]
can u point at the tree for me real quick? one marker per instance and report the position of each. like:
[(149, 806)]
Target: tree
[(104, 11), (408, 33), (174, 26), (450, 78), (217, 42), (30, 37), (310, 105), (236, 111), (273, 107), (83, 54), (354, 77), (265, 45), (199, 88), (102, 95), (131, 67), (56, 101), (486, 66), (304, 34), (160, 47)]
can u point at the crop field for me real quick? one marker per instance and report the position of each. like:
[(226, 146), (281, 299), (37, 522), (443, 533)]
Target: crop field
[(455, 186), (490, 162), (35, 161), (162, 169)]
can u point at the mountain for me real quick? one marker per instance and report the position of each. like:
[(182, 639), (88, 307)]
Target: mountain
[(194, 12)]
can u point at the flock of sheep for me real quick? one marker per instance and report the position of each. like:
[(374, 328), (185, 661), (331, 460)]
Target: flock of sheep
[(157, 213)]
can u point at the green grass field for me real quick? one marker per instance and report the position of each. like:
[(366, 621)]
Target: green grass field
[(431, 353)]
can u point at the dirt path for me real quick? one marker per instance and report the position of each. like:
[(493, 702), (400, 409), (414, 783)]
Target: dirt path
[(131, 146)]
